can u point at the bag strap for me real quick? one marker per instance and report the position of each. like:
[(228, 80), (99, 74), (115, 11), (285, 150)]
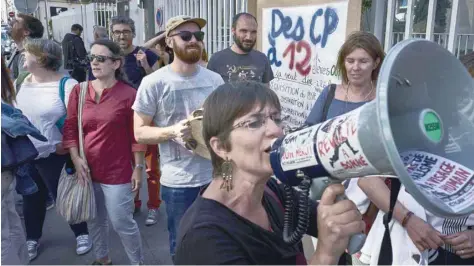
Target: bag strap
[(327, 103), (19, 80), (62, 89), (82, 100), (62, 96), (386, 251)]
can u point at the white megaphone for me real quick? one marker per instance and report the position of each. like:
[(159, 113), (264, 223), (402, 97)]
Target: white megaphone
[(420, 128)]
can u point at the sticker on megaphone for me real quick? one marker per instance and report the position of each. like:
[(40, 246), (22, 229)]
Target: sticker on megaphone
[(440, 178), (339, 147)]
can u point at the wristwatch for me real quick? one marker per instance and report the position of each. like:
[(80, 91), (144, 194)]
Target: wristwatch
[(139, 166)]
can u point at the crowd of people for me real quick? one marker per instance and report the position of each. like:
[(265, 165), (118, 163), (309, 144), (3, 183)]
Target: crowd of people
[(136, 102)]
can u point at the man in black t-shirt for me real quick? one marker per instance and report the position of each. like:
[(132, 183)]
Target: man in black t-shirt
[(240, 61)]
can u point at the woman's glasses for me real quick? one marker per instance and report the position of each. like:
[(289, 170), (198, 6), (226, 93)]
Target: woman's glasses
[(100, 58), (259, 121), (187, 35)]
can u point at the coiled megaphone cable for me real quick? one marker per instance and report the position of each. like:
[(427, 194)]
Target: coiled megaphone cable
[(289, 236)]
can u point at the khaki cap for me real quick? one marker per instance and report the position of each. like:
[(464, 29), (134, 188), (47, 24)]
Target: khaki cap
[(175, 22)]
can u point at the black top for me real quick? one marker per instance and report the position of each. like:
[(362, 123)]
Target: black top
[(74, 51), (211, 233)]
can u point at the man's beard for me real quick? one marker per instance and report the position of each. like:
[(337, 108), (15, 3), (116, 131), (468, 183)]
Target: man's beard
[(17, 35), (241, 44), (122, 45), (188, 55)]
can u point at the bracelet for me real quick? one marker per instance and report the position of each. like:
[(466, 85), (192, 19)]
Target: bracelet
[(139, 166), (406, 218)]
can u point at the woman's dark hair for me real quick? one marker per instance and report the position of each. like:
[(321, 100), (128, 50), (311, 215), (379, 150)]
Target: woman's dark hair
[(363, 40), (8, 90), (227, 103), (116, 53)]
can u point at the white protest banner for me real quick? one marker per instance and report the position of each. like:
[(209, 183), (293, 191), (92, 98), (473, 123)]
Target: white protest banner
[(302, 43)]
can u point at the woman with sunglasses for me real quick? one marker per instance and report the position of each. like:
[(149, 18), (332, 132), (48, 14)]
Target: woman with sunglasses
[(238, 217), (109, 144), (42, 96)]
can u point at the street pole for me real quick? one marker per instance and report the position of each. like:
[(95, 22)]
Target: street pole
[(46, 17)]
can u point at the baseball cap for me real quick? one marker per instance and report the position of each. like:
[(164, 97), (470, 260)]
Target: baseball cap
[(175, 22)]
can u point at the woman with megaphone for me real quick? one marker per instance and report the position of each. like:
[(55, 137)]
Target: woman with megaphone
[(238, 218)]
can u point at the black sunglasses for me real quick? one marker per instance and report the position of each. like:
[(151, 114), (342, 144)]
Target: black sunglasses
[(100, 58), (187, 35)]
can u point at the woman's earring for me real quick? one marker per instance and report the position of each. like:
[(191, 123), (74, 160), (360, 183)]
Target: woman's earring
[(226, 171)]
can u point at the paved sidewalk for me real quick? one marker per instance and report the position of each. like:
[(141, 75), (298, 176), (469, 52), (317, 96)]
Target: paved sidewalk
[(58, 245)]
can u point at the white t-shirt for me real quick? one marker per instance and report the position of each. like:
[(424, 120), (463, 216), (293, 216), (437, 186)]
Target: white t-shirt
[(170, 98), (42, 105)]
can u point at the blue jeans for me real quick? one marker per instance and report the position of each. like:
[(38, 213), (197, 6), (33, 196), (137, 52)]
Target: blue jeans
[(177, 202)]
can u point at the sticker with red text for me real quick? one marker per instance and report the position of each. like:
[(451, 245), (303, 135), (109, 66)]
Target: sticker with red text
[(339, 149), (441, 178), (298, 149)]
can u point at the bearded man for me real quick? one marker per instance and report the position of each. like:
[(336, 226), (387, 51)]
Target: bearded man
[(165, 99), (241, 61)]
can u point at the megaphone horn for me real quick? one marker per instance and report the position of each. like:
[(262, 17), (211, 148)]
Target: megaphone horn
[(422, 94)]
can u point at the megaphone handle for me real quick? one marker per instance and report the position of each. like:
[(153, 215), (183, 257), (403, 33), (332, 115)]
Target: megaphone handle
[(356, 242)]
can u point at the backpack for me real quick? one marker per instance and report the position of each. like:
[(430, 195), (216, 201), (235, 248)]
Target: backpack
[(62, 94)]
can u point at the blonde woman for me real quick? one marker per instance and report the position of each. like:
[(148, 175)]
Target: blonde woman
[(42, 95)]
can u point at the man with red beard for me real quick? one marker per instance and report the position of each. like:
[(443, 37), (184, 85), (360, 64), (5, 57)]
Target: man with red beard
[(241, 61), (23, 26), (166, 98)]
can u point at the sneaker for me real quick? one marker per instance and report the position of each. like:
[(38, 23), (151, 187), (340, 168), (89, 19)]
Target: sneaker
[(49, 205), (151, 218), (32, 247), (84, 245)]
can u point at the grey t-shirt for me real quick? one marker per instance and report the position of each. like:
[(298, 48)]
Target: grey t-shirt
[(16, 63), (235, 67), (170, 98)]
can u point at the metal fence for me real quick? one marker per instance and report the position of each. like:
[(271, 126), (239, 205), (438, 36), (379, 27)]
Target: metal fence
[(463, 44), (218, 14), (457, 43)]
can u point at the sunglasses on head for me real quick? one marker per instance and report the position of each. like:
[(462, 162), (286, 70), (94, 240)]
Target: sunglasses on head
[(100, 58), (187, 35)]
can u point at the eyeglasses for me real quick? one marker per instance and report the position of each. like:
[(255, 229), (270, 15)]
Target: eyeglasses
[(187, 35), (117, 33), (259, 121), (100, 58)]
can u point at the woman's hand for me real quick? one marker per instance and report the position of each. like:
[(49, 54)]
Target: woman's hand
[(423, 235), (337, 222), (137, 178), (82, 170), (462, 242)]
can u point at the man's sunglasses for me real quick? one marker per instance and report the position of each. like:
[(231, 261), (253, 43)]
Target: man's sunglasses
[(100, 58), (187, 35)]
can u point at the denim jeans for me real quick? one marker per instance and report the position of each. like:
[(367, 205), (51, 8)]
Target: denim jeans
[(46, 175), (115, 203), (177, 202)]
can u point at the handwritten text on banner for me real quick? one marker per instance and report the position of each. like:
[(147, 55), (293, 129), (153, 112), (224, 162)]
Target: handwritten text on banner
[(302, 44)]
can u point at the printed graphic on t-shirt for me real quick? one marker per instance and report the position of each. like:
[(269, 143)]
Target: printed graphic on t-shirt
[(243, 73)]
